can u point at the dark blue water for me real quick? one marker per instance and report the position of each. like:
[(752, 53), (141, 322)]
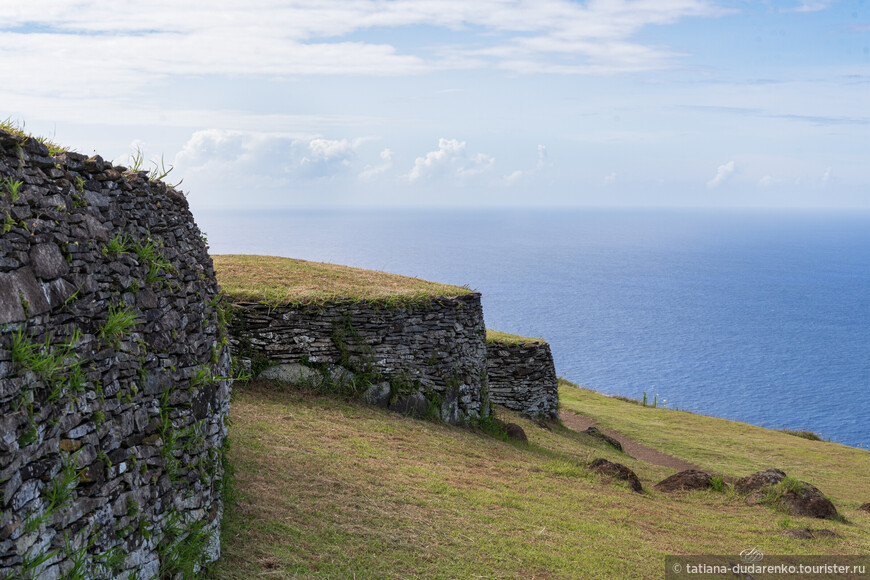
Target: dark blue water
[(761, 317)]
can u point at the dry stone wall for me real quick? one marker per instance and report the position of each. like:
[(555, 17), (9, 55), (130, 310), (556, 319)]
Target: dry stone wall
[(435, 348), (522, 378), (112, 400)]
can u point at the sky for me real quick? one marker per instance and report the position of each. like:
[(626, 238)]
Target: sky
[(488, 103)]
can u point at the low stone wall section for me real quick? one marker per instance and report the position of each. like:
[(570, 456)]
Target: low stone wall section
[(522, 378), (437, 345), (112, 400)]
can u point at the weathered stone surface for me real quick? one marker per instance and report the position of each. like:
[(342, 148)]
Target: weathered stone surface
[(595, 432), (436, 346), (810, 502), (21, 296), (690, 479), (616, 471), (293, 374), (47, 261), (759, 480), (516, 433), (522, 378), (414, 405), (58, 285), (378, 395), (799, 498)]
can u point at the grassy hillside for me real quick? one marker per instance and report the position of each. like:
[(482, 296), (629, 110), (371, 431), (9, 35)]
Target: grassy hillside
[(331, 488), (281, 281)]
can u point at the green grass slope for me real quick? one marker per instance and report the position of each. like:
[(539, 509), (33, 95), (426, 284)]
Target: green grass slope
[(328, 488)]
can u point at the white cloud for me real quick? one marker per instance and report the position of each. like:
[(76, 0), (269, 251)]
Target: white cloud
[(723, 173), (373, 171), (768, 181), (520, 176), (140, 42), (266, 156), (450, 160), (610, 179), (811, 6), (827, 176)]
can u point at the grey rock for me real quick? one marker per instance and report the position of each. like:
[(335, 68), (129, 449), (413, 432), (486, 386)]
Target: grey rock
[(690, 479), (21, 296), (294, 374), (378, 395), (759, 480), (595, 432), (47, 261), (617, 471), (414, 405)]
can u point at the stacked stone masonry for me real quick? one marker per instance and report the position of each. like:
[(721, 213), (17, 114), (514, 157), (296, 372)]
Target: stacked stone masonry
[(436, 345), (522, 378), (112, 401)]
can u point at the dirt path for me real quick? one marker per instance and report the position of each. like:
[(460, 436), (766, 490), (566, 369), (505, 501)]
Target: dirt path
[(630, 446)]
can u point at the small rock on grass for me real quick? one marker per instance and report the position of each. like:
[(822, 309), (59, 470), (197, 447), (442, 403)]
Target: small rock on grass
[(758, 480), (687, 480), (616, 471), (809, 501), (595, 432), (803, 500), (865, 507), (516, 433), (513, 431)]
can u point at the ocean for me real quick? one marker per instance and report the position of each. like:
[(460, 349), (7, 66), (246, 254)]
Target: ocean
[(755, 316)]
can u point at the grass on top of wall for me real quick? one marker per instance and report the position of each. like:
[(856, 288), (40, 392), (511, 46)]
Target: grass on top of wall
[(280, 281), (494, 336)]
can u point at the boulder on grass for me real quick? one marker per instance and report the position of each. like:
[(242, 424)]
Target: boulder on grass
[(516, 433), (595, 432), (865, 507), (807, 500), (759, 480), (616, 471), (687, 480), (799, 498)]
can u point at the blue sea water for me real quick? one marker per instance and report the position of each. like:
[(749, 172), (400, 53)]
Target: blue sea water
[(762, 317)]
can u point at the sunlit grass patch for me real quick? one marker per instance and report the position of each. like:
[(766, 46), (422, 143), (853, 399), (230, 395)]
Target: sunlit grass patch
[(332, 488), (280, 281), (494, 336)]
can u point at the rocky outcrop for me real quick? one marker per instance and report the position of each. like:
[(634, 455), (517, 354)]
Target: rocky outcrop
[(688, 480), (112, 396), (522, 378), (434, 348), (758, 480), (616, 471), (598, 434), (798, 498)]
